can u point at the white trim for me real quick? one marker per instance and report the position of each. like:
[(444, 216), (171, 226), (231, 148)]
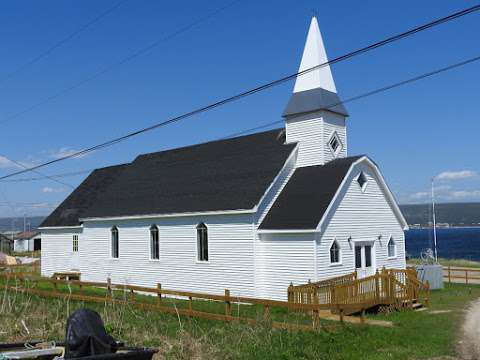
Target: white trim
[(389, 195), (151, 216), (275, 180), (286, 231), (340, 144), (340, 258), (60, 227), (197, 260)]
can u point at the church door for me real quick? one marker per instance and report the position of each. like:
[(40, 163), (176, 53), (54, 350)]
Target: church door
[(364, 260)]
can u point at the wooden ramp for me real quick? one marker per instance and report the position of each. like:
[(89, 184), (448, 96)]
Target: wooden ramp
[(389, 289)]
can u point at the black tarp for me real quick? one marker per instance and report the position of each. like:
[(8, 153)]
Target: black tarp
[(86, 335)]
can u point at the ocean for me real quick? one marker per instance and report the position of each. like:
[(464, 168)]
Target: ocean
[(452, 243)]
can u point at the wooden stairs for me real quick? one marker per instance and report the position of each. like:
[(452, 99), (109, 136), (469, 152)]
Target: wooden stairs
[(388, 289)]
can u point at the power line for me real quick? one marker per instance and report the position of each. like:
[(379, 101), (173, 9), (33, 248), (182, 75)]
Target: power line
[(123, 61), (252, 91), (367, 94), (38, 173), (269, 124), (56, 176), (61, 42)]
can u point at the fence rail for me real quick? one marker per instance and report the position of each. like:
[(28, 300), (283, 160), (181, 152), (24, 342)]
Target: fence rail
[(463, 275), (78, 290)]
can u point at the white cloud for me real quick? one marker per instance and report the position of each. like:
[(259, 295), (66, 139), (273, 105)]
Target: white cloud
[(456, 175), (5, 163), (465, 194), (48, 189), (419, 195), (64, 151)]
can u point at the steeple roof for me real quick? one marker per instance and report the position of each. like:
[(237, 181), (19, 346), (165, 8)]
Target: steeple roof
[(314, 54), (314, 90)]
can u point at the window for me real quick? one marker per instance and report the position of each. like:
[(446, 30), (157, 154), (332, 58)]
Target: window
[(115, 244), (392, 249), (358, 257), (335, 144), (154, 243), (335, 253), (74, 243), (202, 242), (362, 181), (368, 255)]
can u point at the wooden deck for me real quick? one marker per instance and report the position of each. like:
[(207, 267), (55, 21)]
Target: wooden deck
[(392, 288)]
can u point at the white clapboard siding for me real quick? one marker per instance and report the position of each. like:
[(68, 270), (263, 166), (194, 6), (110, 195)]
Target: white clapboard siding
[(333, 123), (57, 251), (364, 216), (307, 131), (283, 259), (230, 265)]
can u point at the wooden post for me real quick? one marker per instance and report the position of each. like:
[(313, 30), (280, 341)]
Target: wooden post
[(132, 295), (81, 289), (362, 317), (266, 312), (228, 304), (466, 276), (316, 319), (55, 287), (449, 275), (190, 303), (341, 316), (159, 294), (290, 293), (377, 287), (109, 288)]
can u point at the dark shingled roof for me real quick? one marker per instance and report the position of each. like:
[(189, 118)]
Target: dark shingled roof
[(84, 196), (314, 100), (228, 174), (306, 196)]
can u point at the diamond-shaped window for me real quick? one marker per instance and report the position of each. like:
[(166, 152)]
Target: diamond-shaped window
[(335, 144), (362, 181)]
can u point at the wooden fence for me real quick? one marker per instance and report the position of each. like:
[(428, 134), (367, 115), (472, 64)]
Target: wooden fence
[(461, 275), (130, 294), (397, 287)]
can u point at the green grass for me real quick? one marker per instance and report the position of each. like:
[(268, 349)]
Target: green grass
[(415, 335), (35, 254), (450, 262)]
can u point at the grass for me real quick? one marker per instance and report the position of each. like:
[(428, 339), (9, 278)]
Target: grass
[(417, 335), (34, 254), (450, 262)]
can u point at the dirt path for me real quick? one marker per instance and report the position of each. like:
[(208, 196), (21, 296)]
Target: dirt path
[(469, 345)]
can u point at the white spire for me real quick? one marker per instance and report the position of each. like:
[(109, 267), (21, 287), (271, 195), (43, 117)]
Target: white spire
[(314, 54)]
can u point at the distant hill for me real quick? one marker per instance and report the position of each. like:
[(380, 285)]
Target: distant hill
[(6, 223), (454, 214)]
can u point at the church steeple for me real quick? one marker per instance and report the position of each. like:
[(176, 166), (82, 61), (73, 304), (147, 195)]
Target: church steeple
[(315, 116), (314, 54)]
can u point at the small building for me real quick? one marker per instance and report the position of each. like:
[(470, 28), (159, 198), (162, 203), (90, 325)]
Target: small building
[(27, 241), (252, 213), (6, 244)]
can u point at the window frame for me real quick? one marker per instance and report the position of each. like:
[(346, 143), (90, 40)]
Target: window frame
[(200, 229), (363, 186), (339, 148), (392, 241), (75, 243), (339, 253), (154, 230), (114, 237)]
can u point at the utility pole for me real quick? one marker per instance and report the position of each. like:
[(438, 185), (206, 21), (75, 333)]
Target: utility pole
[(434, 223)]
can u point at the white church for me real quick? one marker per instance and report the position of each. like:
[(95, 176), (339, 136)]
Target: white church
[(251, 214)]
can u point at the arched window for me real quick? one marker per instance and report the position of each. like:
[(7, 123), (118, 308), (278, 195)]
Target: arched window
[(335, 253), (114, 245), (154, 243), (392, 249), (202, 242)]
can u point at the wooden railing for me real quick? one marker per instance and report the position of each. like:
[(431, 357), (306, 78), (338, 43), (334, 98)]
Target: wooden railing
[(397, 287), (107, 292), (461, 275)]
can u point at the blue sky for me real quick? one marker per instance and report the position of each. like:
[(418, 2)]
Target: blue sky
[(413, 133)]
